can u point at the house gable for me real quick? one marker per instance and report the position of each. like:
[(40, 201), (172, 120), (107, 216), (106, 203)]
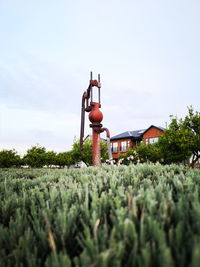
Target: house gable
[(152, 134), (122, 142)]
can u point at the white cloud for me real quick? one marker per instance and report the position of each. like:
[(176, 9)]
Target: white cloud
[(23, 128), (147, 54)]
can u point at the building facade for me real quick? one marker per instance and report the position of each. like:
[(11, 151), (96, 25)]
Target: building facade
[(121, 143)]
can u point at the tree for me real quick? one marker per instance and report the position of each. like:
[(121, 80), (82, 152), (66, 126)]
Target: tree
[(64, 159), (86, 155), (9, 158), (50, 158), (35, 157), (174, 143), (179, 143), (192, 124), (182, 139), (142, 153), (150, 152)]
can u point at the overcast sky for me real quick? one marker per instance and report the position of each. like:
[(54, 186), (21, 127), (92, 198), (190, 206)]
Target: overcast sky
[(147, 53)]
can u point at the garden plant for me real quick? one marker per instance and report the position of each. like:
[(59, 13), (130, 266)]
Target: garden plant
[(136, 215)]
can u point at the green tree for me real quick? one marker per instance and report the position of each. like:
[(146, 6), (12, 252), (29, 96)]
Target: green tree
[(150, 152), (142, 153), (64, 159), (178, 143), (192, 124), (9, 158), (86, 155), (35, 157), (50, 158), (182, 139)]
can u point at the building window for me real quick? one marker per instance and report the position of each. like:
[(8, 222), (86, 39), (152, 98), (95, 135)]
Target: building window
[(147, 141), (123, 146), (114, 147), (153, 140)]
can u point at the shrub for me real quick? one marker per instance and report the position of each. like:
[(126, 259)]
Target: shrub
[(137, 215), (9, 158)]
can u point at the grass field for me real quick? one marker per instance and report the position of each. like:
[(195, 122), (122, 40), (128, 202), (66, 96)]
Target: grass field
[(144, 215)]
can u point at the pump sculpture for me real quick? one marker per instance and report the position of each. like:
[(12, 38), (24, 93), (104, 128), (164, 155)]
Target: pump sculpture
[(95, 117)]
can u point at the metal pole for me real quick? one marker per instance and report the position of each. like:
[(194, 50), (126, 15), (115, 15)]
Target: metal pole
[(91, 92), (95, 117), (99, 89), (96, 153)]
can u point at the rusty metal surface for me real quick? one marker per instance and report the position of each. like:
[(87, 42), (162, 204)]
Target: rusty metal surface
[(96, 152), (95, 117)]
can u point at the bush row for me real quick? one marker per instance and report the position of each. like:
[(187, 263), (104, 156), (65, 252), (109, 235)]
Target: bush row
[(136, 215)]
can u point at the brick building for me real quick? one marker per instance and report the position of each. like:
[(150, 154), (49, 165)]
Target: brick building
[(122, 142)]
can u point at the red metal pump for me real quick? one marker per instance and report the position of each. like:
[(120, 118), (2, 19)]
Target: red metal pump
[(95, 117)]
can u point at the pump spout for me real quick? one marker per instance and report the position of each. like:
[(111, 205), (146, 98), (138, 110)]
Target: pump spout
[(108, 144)]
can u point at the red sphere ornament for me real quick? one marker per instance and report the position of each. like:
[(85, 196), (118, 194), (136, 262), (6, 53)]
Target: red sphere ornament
[(95, 115)]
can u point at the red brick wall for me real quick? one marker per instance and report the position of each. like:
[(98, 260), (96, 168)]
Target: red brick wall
[(152, 132), (116, 155)]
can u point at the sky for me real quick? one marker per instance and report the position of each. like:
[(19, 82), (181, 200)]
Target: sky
[(147, 52)]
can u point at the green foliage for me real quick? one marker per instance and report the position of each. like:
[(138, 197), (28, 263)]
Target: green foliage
[(86, 155), (9, 158), (142, 153), (192, 124), (174, 143), (150, 152), (178, 143), (131, 157), (64, 159), (182, 139), (137, 215), (35, 157), (50, 158), (38, 157)]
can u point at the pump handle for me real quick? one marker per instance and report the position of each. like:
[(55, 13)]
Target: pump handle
[(86, 107), (82, 122)]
